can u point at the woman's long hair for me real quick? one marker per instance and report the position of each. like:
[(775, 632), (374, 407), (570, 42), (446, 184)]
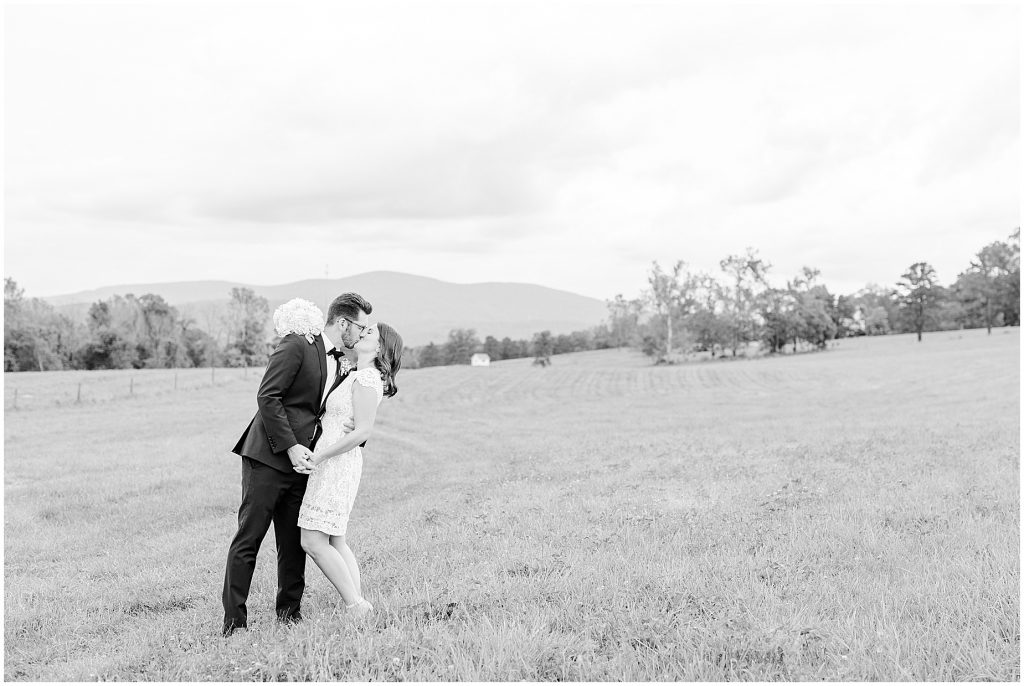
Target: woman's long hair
[(389, 359)]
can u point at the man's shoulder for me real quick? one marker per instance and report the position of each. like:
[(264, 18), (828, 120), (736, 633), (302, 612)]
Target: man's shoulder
[(297, 340), (294, 347)]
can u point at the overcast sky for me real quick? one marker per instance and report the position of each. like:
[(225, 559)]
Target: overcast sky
[(564, 144)]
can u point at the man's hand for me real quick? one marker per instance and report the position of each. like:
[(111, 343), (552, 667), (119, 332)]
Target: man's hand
[(301, 458)]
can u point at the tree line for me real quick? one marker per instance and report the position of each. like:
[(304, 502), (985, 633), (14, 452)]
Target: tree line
[(680, 312), (463, 343), (131, 332)]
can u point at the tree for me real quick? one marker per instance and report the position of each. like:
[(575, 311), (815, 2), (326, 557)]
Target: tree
[(813, 320), (843, 312), (876, 321), (581, 340), (511, 350), (781, 325), (410, 358), (1011, 303), (562, 344), (747, 278), (919, 295), (248, 314), (116, 328), (461, 345), (213, 318), (974, 294), (129, 332), (602, 337), (492, 347), (13, 297), (36, 336), (161, 332), (199, 348), (667, 296), (431, 356), (988, 286), (109, 345), (106, 350), (949, 312), (705, 322), (624, 320), (876, 310), (543, 348)]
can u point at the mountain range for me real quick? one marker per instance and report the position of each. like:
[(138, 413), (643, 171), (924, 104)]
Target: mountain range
[(422, 309)]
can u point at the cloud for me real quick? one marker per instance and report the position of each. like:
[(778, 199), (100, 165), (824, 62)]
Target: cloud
[(556, 141), (984, 123), (452, 180)]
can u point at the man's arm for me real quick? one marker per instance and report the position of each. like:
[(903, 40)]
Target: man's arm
[(282, 367)]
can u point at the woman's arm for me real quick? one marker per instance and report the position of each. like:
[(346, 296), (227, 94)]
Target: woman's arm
[(364, 412)]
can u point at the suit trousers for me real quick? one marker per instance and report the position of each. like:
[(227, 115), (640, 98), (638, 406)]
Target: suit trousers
[(268, 496)]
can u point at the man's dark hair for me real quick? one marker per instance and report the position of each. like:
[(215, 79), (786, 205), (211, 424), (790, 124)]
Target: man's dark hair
[(348, 305)]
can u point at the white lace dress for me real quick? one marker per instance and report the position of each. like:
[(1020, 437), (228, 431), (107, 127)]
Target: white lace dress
[(332, 486)]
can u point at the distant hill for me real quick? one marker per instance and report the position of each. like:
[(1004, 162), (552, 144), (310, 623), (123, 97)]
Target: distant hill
[(422, 309)]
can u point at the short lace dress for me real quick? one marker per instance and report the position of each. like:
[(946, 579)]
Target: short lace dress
[(332, 486)]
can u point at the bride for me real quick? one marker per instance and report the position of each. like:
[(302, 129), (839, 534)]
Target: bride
[(338, 461)]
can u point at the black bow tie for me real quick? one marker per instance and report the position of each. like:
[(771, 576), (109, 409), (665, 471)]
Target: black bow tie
[(336, 354)]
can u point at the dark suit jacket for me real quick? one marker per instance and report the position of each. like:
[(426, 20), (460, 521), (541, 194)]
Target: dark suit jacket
[(288, 401)]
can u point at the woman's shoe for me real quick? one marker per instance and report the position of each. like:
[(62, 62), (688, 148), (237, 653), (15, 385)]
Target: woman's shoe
[(359, 609)]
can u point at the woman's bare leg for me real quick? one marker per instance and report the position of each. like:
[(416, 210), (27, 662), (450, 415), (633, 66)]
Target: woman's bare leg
[(330, 561), (339, 544)]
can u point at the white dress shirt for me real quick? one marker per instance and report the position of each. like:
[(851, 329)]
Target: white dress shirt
[(332, 367)]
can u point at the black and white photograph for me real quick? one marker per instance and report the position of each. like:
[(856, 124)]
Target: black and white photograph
[(511, 341)]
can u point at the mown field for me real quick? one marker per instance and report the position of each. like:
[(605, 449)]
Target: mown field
[(846, 515)]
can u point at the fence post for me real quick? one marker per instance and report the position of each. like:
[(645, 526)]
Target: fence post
[(78, 400), (175, 380), (15, 398), (211, 374), (131, 385)]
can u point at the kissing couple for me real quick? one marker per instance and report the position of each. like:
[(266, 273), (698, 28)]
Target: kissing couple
[(301, 453)]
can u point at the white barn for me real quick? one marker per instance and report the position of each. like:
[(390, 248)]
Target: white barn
[(480, 360)]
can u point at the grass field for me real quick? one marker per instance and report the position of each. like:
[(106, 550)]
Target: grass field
[(846, 515)]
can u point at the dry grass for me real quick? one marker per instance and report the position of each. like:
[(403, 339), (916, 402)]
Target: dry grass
[(49, 390), (851, 515)]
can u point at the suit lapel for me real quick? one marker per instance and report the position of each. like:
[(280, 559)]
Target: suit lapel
[(339, 376), (321, 357)]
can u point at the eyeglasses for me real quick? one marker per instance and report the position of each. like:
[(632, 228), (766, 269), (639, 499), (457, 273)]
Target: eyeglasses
[(361, 327)]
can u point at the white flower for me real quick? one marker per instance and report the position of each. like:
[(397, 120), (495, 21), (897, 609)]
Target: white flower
[(299, 316)]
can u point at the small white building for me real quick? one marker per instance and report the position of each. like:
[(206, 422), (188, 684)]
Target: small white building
[(480, 360)]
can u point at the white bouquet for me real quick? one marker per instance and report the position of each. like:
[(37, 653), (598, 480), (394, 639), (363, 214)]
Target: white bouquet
[(299, 316)]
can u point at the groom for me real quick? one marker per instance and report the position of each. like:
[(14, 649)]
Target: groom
[(276, 449)]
